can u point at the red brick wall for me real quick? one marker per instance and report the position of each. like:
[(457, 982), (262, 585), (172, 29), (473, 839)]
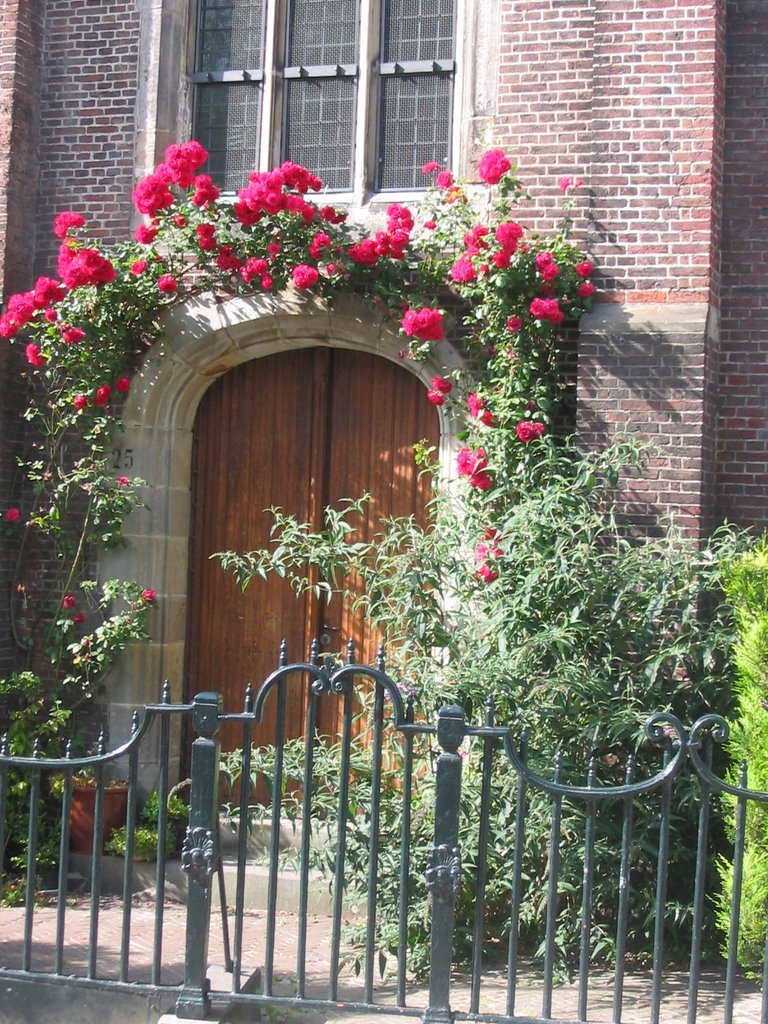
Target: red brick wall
[(628, 94), (88, 106), (742, 442), (20, 46)]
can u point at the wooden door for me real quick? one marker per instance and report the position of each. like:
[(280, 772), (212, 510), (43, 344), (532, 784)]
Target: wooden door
[(298, 430)]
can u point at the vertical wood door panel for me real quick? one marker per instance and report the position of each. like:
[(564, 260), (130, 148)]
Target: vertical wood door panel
[(298, 430)]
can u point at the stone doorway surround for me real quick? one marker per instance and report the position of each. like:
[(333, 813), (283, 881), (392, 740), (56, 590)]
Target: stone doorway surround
[(201, 340)]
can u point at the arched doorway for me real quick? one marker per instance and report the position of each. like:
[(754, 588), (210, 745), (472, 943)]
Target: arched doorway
[(300, 430)]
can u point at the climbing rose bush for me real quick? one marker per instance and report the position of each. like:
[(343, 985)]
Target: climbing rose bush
[(86, 330)]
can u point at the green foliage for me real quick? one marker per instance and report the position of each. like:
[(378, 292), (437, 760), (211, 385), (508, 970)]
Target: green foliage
[(146, 832), (582, 635), (747, 591)]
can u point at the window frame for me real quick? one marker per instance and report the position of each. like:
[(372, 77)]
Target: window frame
[(368, 74)]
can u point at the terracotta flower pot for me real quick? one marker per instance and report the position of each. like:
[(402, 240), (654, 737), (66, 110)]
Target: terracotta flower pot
[(82, 814)]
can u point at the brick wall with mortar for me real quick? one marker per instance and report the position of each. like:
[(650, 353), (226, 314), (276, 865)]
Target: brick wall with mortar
[(628, 94), (742, 435), (21, 33), (87, 118)]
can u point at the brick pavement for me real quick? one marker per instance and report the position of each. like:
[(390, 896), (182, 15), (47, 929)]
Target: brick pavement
[(143, 911)]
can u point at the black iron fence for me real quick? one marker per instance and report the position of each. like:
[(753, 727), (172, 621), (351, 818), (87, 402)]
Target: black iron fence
[(360, 805)]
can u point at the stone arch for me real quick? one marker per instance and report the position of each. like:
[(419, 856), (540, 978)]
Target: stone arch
[(202, 339)]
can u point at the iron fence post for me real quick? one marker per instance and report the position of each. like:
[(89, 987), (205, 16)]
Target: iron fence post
[(199, 855), (443, 871)]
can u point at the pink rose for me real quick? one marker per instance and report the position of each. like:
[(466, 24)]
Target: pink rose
[(431, 165), (444, 179), (148, 596), (122, 481)]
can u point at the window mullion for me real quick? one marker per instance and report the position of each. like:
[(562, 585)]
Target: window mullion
[(271, 116), (367, 98)]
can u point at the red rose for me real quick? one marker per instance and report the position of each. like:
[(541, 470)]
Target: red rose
[(206, 237), (486, 573), (65, 221), (139, 267), (514, 323), (425, 324), (584, 269), (13, 515), (47, 290), (586, 289), (527, 431), (320, 242), (473, 465), (443, 385), (364, 252), (103, 395), (69, 601), (304, 276), (123, 385), (205, 191), (148, 596), (547, 309), (153, 193), (72, 335), (167, 284), (463, 271), (436, 397), (78, 619), (508, 234), (123, 481), (33, 355), (80, 401), (493, 165), (145, 234)]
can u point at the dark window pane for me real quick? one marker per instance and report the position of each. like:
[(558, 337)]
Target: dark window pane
[(319, 127), (414, 127), (417, 30), (227, 124), (322, 32), (230, 35)]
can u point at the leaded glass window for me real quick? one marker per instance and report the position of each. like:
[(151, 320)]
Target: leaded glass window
[(305, 106)]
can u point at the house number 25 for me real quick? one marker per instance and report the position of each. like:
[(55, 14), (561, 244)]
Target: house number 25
[(122, 458)]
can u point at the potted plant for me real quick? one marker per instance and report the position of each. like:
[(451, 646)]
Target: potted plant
[(83, 808)]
